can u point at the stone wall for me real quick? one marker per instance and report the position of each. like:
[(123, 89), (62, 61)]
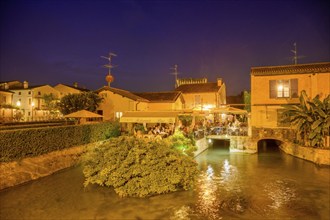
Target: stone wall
[(242, 144), (27, 169), (201, 145), (315, 155)]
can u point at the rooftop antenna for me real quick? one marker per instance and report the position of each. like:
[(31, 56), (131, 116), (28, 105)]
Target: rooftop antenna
[(109, 78), (175, 73), (296, 57)]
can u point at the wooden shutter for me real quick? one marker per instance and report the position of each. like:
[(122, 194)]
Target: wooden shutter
[(272, 89), (294, 88)]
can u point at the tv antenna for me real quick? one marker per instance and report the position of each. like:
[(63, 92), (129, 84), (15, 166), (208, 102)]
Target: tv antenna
[(109, 78), (295, 57), (175, 73)]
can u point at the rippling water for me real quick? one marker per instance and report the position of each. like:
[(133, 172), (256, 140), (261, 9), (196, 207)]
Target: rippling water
[(268, 185)]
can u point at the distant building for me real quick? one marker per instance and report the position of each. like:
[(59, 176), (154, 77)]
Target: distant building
[(274, 86), (201, 94), (6, 110), (14, 84), (67, 89), (163, 101), (30, 100), (116, 101)]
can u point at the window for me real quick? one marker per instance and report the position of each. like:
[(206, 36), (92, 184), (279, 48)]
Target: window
[(283, 88), (29, 92), (29, 101), (19, 93), (197, 100), (119, 114), (39, 93)]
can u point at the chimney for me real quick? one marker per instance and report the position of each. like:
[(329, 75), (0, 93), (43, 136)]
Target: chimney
[(219, 81), (75, 84), (25, 84)]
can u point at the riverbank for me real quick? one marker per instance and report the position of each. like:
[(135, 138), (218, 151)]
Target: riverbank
[(32, 168), (27, 169), (315, 155)]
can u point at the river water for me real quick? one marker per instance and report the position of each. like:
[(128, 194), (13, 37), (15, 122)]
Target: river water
[(267, 185)]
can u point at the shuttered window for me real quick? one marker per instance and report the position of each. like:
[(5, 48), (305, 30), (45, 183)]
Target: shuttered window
[(272, 89), (294, 88), (283, 88)]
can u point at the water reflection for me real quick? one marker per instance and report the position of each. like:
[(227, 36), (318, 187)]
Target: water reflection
[(280, 192), (269, 185)]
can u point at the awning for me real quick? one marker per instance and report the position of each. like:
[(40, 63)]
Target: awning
[(229, 110), (83, 114), (149, 117)]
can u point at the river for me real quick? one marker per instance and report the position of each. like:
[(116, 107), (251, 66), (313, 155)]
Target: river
[(267, 185)]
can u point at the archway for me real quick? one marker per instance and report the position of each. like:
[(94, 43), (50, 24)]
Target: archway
[(268, 145), (223, 144)]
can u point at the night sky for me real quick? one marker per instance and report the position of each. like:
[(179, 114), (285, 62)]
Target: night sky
[(51, 42)]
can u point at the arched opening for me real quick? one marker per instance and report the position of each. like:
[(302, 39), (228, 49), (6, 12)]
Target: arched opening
[(223, 144), (268, 145)]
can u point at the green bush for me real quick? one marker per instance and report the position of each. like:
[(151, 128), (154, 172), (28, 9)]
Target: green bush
[(20, 143), (180, 142), (138, 167)]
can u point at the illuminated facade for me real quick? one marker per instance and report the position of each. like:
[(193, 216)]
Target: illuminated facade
[(30, 101), (202, 95), (163, 101), (67, 89), (116, 101), (274, 86)]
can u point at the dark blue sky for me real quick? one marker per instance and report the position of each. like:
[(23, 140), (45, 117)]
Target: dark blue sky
[(50, 42)]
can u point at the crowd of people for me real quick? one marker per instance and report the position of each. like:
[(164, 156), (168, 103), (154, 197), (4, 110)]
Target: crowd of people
[(230, 126)]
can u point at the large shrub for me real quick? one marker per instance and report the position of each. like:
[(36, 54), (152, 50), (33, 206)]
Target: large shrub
[(20, 143), (310, 118), (182, 143), (139, 167)]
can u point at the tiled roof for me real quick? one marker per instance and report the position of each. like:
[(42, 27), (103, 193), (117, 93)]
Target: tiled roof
[(2, 90), (78, 88), (291, 69), (28, 88), (170, 96), (122, 92), (198, 88)]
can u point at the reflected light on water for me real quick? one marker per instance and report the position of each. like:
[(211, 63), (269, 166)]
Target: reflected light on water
[(208, 204), (280, 193), (182, 214)]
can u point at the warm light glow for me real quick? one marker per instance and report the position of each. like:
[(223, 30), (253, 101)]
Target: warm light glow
[(32, 104), (18, 103), (223, 116), (280, 87), (207, 107), (119, 114)]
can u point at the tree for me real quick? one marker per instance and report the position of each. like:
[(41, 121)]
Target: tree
[(81, 101), (311, 119)]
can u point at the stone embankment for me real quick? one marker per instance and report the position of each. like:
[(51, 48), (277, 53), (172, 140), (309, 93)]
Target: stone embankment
[(315, 155), (27, 169)]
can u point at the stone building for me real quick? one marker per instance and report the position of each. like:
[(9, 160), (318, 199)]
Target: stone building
[(201, 94), (163, 101), (117, 101), (67, 89), (274, 86)]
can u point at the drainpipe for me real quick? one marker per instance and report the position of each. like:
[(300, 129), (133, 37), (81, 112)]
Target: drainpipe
[(136, 106)]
